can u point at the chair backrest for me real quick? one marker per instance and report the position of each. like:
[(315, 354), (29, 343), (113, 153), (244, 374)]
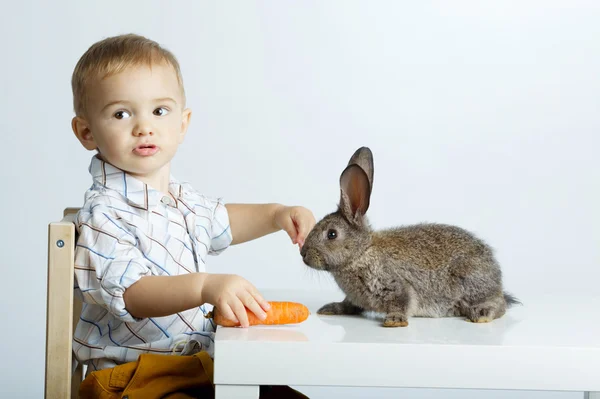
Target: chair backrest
[(62, 310)]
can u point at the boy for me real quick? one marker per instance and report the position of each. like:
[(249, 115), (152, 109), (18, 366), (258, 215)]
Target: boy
[(143, 235)]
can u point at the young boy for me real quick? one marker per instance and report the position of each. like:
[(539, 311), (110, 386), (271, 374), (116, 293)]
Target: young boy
[(143, 235)]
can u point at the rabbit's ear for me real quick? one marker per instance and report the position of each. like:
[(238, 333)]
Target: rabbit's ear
[(355, 193), (363, 157)]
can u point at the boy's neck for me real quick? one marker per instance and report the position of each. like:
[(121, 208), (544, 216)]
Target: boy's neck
[(158, 180)]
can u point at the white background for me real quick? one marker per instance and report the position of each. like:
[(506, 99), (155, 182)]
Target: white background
[(482, 114)]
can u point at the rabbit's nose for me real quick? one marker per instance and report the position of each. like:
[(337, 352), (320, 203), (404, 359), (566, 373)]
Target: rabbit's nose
[(303, 251)]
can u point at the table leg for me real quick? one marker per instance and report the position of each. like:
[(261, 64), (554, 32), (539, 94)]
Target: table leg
[(591, 395), (237, 391)]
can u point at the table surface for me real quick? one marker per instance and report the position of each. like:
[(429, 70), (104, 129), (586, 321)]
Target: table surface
[(549, 343)]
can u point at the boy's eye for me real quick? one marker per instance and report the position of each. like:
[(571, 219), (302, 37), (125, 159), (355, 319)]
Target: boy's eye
[(161, 111), (122, 114)]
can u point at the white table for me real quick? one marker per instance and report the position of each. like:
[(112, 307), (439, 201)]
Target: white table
[(550, 343)]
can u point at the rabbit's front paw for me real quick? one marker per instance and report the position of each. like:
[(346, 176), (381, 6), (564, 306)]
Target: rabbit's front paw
[(338, 308), (333, 308), (395, 320)]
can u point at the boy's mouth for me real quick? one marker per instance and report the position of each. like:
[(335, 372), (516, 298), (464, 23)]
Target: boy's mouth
[(145, 150)]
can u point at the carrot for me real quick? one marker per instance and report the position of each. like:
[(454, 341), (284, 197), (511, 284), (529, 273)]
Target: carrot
[(280, 313)]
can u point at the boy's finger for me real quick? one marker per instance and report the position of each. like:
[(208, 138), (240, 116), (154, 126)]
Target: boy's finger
[(259, 298), (240, 311), (228, 313), (290, 229), (254, 306), (305, 221), (300, 239), (303, 233)]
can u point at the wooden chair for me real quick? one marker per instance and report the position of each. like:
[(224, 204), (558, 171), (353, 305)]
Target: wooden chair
[(62, 311)]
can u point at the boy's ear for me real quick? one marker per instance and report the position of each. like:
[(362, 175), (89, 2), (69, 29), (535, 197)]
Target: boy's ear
[(81, 128), (185, 122)]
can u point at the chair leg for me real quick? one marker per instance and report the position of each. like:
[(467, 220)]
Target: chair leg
[(59, 310)]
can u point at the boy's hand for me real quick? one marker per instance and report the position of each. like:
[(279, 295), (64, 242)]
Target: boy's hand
[(232, 294), (297, 221)]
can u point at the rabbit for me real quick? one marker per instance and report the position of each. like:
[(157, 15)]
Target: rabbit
[(422, 270)]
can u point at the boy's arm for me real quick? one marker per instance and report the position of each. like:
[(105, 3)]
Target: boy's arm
[(177, 294), (251, 221), (157, 296)]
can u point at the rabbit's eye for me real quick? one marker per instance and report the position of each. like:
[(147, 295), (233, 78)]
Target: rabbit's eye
[(332, 234)]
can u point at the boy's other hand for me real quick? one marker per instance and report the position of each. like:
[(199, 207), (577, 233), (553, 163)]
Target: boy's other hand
[(232, 294), (297, 221)]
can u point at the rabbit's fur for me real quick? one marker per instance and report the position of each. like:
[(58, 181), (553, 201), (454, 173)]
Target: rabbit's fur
[(430, 270)]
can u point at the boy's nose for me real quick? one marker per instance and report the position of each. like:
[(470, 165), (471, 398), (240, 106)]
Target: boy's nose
[(143, 130)]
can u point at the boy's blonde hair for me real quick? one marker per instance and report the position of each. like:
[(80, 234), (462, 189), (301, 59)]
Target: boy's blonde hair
[(113, 55)]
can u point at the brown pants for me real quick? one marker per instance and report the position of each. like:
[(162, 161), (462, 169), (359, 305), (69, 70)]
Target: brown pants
[(155, 376)]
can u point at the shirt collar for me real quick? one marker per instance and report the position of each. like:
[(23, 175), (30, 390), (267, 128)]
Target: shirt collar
[(138, 193)]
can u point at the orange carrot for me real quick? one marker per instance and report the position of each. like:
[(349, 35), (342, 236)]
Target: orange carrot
[(280, 313)]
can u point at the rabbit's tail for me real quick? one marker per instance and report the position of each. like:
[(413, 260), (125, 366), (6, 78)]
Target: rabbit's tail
[(511, 300)]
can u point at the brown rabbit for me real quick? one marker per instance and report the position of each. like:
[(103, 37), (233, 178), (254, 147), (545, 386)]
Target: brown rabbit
[(429, 270)]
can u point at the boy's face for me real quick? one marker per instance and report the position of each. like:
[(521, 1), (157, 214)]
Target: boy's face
[(135, 119)]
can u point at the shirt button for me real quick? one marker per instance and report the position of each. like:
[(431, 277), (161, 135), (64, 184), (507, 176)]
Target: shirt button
[(167, 201)]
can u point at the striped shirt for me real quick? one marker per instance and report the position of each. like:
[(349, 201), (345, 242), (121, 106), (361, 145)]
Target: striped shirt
[(127, 230)]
